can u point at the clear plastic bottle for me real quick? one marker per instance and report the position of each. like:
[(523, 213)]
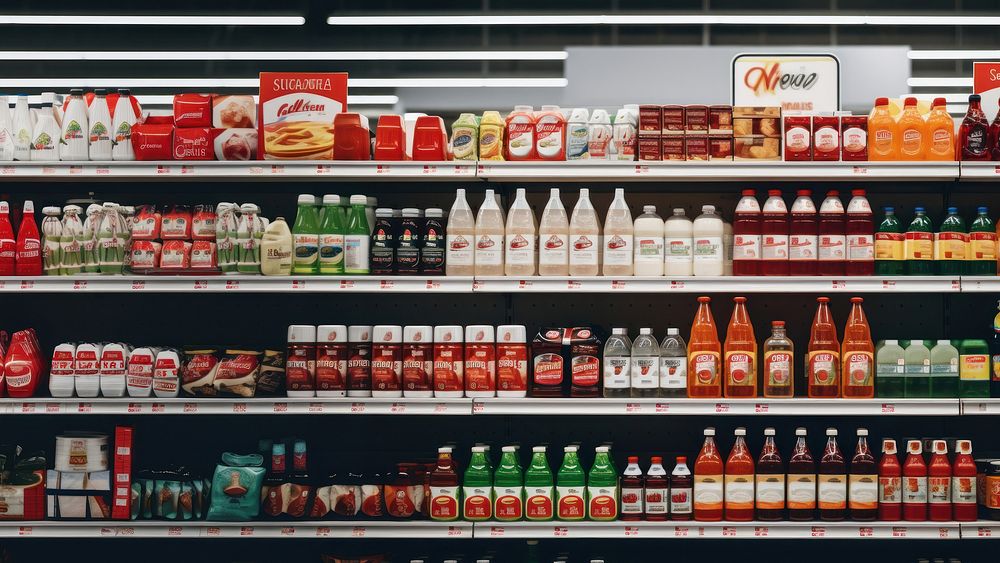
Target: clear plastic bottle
[(521, 238), (553, 238), (917, 369), (619, 233), (648, 258), (944, 370), (459, 260), (779, 363), (708, 232), (489, 237), (584, 238), (673, 365), (677, 244), (617, 364), (645, 366)]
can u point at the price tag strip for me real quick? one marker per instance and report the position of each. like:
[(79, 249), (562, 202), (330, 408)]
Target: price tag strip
[(238, 407), (692, 529)]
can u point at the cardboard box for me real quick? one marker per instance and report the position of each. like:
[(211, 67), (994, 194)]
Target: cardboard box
[(798, 137), (650, 120), (295, 114), (672, 147), (826, 138), (720, 147), (121, 497), (649, 148), (756, 148), (696, 147), (854, 137), (673, 120), (696, 120), (720, 120)]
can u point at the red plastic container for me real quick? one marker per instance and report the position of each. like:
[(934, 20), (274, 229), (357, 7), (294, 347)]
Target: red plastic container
[(774, 236), (832, 236), (746, 236), (351, 137), (430, 140), (390, 138)]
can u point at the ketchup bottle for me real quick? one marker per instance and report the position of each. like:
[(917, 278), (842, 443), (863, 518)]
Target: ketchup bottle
[(973, 134), (963, 483), (860, 236), (890, 496), (512, 365), (632, 491), (803, 247), (28, 254), (331, 361), (418, 361), (832, 236), (914, 483), (746, 236), (657, 492), (774, 236), (8, 246), (681, 485), (739, 477), (939, 483)]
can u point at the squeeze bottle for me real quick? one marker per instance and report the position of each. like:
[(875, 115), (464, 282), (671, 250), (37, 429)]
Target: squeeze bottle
[(707, 233), (521, 238)]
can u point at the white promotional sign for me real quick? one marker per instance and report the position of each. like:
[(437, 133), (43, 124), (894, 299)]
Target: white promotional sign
[(796, 83)]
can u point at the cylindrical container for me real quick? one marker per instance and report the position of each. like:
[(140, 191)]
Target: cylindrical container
[(331, 361), (418, 361), (387, 361), (512, 361), (449, 361), (300, 362), (480, 361), (359, 361)]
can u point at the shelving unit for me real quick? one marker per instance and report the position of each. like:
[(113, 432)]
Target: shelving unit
[(235, 284), (255, 406), (237, 530), (720, 530), (711, 407)]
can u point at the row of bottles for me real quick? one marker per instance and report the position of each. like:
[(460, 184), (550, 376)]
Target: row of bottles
[(911, 136), (941, 369), (952, 249)]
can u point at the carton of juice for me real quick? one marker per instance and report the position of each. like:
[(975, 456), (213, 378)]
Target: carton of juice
[(296, 112)]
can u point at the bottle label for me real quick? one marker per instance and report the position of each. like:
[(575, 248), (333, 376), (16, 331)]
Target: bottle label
[(656, 500), (554, 249), (616, 372), (974, 367), (939, 490), (478, 503), (739, 492), (708, 492), (747, 247), (945, 370), (538, 505), (649, 250), (512, 367), (603, 502), (449, 374), (705, 366), (832, 247), (460, 252), (489, 250), (708, 249), (889, 246), (977, 140), (915, 490), (508, 505), (680, 500), (359, 368), (802, 492), (982, 245), (774, 247), (778, 368), (797, 140), (306, 250), (673, 372), (583, 252), (677, 249), (356, 253), (331, 251), (919, 245), (617, 250), (480, 367), (331, 367), (890, 490), (912, 142), (863, 492), (387, 368), (860, 248), (963, 490), (802, 247), (571, 503), (832, 492), (632, 500), (823, 368), (645, 372), (520, 249), (444, 503), (418, 365), (770, 492), (548, 369), (950, 245), (859, 369), (886, 369), (585, 371), (741, 368)]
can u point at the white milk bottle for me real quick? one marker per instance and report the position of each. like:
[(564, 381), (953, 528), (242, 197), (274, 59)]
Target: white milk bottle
[(114, 358), (678, 244), (6, 131), (22, 126), (122, 122), (521, 238), (100, 126), (584, 238), (87, 380), (708, 232), (618, 237), (648, 240), (599, 131), (51, 241), (75, 128), (577, 135), (461, 237), (45, 135), (63, 371), (276, 249), (88, 244), (489, 238), (553, 238), (72, 239)]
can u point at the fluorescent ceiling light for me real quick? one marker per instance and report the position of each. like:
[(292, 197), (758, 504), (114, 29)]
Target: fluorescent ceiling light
[(662, 19), (213, 83), (944, 82), (283, 55), (953, 55), (149, 20)]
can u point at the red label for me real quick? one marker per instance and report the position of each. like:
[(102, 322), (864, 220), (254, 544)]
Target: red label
[(387, 367), (331, 367), (448, 367), (586, 371), (539, 507), (478, 507), (571, 507), (548, 369), (418, 364), (359, 367), (444, 507), (508, 507), (604, 507), (480, 367), (300, 368), (512, 367)]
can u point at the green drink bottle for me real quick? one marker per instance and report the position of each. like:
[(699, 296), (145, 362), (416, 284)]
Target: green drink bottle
[(889, 246), (508, 487), (944, 370), (982, 255), (358, 238), (889, 370), (571, 487), (305, 237), (538, 491), (331, 237), (950, 244), (602, 487), (919, 245), (974, 369), (477, 488), (917, 369)]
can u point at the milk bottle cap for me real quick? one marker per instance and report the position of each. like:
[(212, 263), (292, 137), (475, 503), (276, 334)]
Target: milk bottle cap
[(411, 212), (50, 211), (479, 334), (708, 209), (331, 199), (359, 333), (448, 334), (302, 333), (358, 200), (383, 212), (387, 333), (331, 333), (417, 333), (673, 331), (511, 334), (434, 213)]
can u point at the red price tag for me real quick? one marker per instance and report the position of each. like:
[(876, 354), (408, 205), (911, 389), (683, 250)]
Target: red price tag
[(125, 531), (386, 284), (256, 170), (888, 284), (383, 169), (721, 407), (315, 407), (617, 284), (865, 532), (27, 284), (213, 531), (680, 531), (280, 407), (641, 169), (761, 531), (239, 408), (200, 284), (944, 533), (762, 407), (358, 531), (232, 284), (524, 284), (631, 531), (277, 169), (49, 407), (633, 407), (298, 284), (454, 531), (432, 284), (288, 531), (83, 408), (134, 408), (322, 531), (357, 407), (79, 284), (28, 408), (728, 532), (398, 408), (24, 530), (899, 531), (190, 407), (496, 531), (888, 408), (158, 408), (430, 169), (246, 530), (440, 407), (106, 532), (478, 408), (102, 170), (662, 407), (860, 169), (984, 532), (175, 531), (560, 531), (674, 284), (323, 169), (818, 532), (837, 284), (138, 285), (571, 284)]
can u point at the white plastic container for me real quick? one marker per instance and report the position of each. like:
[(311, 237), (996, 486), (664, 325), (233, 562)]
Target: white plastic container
[(114, 358), (461, 238), (520, 238), (600, 133), (618, 238), (553, 238), (648, 242), (625, 133), (391, 335), (708, 232), (578, 135), (23, 127), (87, 380), (276, 249), (51, 241), (122, 122), (6, 132), (139, 371), (167, 374), (678, 235), (101, 132), (489, 238), (63, 370), (419, 334), (45, 136), (584, 238), (75, 129), (450, 334)]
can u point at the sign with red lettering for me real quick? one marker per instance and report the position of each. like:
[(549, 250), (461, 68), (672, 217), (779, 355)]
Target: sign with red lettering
[(986, 83), (796, 83), (295, 114)]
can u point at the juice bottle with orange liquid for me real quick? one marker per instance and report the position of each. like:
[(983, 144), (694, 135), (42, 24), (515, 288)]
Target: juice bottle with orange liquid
[(858, 355), (883, 133), (823, 357), (740, 364), (913, 132), (940, 132), (704, 354), (739, 493), (708, 480)]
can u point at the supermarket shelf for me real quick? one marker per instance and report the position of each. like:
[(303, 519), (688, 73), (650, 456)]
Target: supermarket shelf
[(980, 406), (797, 407), (624, 171), (241, 170), (234, 284), (980, 171), (981, 284), (983, 529), (723, 284), (282, 405), (143, 529), (747, 530)]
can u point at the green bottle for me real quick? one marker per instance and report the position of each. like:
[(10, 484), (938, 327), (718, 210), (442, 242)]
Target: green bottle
[(974, 369), (571, 487), (982, 254), (917, 370), (477, 488), (508, 487), (889, 246), (920, 245), (357, 240), (602, 487), (889, 370), (538, 490), (331, 237), (951, 242), (944, 370), (305, 237)]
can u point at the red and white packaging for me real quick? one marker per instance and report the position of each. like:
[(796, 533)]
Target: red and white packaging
[(295, 114), (650, 120), (359, 361), (203, 221), (672, 147), (175, 224), (480, 361), (550, 134), (854, 137), (235, 144), (146, 223), (139, 372), (649, 148), (826, 137), (331, 361), (87, 379), (62, 370), (192, 110), (798, 138), (121, 494), (146, 254), (673, 120), (300, 361), (418, 361), (696, 120), (175, 255), (194, 143), (203, 255), (23, 368), (696, 147), (387, 361), (234, 112), (166, 374), (449, 361), (512, 361), (153, 140)]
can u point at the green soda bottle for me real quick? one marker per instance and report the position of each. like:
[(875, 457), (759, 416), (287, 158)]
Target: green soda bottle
[(305, 237), (571, 487), (917, 370), (602, 487), (508, 487), (944, 370), (919, 245), (331, 237), (477, 488), (982, 255), (889, 242), (950, 244), (538, 489), (889, 370), (358, 238), (974, 369)]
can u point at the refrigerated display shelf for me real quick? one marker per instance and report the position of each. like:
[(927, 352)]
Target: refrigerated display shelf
[(799, 406), (149, 529), (456, 170), (269, 406), (723, 284), (982, 529), (234, 284), (716, 530), (980, 284), (979, 171), (980, 406)]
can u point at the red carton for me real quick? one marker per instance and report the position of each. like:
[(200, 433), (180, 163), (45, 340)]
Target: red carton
[(192, 110), (672, 147), (720, 147), (673, 120), (194, 143), (854, 137), (650, 120), (798, 137), (649, 148), (696, 120), (720, 120), (295, 114), (826, 137), (696, 147), (153, 141), (121, 494)]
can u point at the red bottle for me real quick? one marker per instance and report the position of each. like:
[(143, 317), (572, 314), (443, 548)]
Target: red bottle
[(390, 139), (770, 489), (8, 245), (890, 493), (746, 236), (739, 481), (832, 480), (801, 480), (632, 491), (860, 236), (681, 491), (774, 236), (331, 361), (832, 236), (939, 483), (418, 361), (973, 135), (444, 488), (963, 483), (657, 491), (862, 491), (351, 138), (802, 240), (914, 483), (28, 253), (709, 471)]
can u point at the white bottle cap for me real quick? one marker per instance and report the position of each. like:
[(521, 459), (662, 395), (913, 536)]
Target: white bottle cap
[(602, 449), (478, 449), (304, 199), (331, 333), (619, 331), (387, 333), (708, 209), (331, 199), (444, 450), (569, 449), (50, 211), (479, 334), (358, 200), (769, 431), (302, 333), (944, 342), (800, 431), (508, 449), (411, 212), (445, 334), (418, 333), (512, 334), (892, 342), (673, 332), (831, 431), (554, 192), (538, 449), (645, 331), (939, 447), (383, 212), (679, 211), (862, 431), (710, 431), (359, 333), (740, 431), (649, 209), (434, 213)]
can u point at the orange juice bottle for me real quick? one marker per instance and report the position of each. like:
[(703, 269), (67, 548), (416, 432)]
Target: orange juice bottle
[(704, 354), (740, 364), (858, 354), (883, 133), (913, 132), (823, 357), (940, 132)]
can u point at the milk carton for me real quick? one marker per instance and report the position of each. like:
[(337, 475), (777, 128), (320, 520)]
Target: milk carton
[(62, 372), (87, 367), (599, 133)]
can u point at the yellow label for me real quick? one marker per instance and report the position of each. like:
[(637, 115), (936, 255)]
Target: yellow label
[(889, 246), (919, 246), (951, 246), (974, 367), (822, 367), (982, 246)]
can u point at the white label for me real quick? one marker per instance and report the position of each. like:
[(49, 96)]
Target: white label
[(890, 490), (680, 501), (708, 249), (632, 500), (915, 490), (554, 249), (673, 373), (771, 489), (832, 247), (583, 250), (802, 247), (861, 247), (821, 72), (863, 489), (797, 139), (739, 489), (708, 492), (827, 139), (677, 249), (963, 490), (833, 491), (645, 373), (657, 500), (939, 490), (918, 369), (774, 247), (802, 491), (649, 249), (335, 241), (616, 372), (746, 247), (520, 249), (489, 250), (356, 252), (617, 250), (460, 250)]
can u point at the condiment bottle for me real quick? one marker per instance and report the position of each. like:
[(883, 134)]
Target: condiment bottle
[(300, 362), (331, 361), (418, 361), (449, 361), (387, 361)]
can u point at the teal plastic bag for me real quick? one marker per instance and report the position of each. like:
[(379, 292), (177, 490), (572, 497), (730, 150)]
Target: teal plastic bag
[(236, 487)]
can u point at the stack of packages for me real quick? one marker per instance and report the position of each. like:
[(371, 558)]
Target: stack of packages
[(181, 238), (22, 484), (694, 132), (203, 127), (79, 487)]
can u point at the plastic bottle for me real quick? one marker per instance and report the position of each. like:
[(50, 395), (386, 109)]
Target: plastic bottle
[(521, 239), (774, 236), (708, 481), (917, 367), (577, 135), (491, 136), (779, 363), (7, 142), (409, 234), (357, 239), (571, 489), (75, 128), (951, 243), (432, 242), (22, 128), (553, 237), (71, 259), (883, 133), (51, 241), (681, 491), (489, 254), (617, 364), (890, 246), (940, 132), (624, 129), (387, 361), (539, 492), (939, 483), (512, 362), (858, 355), (444, 492), (28, 252), (653, 491), (100, 134), (801, 480), (122, 121), (418, 361), (708, 231), (550, 134), (862, 493), (704, 355), (331, 361), (584, 237), (305, 234), (832, 489), (678, 233), (963, 483), (276, 249), (982, 252), (832, 251), (860, 238), (459, 258), (890, 483), (602, 487), (944, 370), (914, 483), (823, 358), (449, 361), (649, 230), (45, 135), (633, 492), (8, 244), (477, 488), (600, 133), (803, 246), (300, 363), (618, 238), (645, 365), (739, 493), (747, 235), (465, 137), (914, 137), (974, 369), (770, 481), (112, 370), (740, 364), (973, 133), (480, 361), (331, 237), (508, 487), (673, 365)]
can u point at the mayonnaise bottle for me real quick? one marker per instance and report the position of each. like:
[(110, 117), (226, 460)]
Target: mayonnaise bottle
[(708, 231), (584, 237), (577, 134), (648, 242), (114, 358), (489, 238), (22, 128), (75, 128), (101, 133), (45, 135), (618, 237), (678, 244), (600, 132), (122, 122), (521, 238), (461, 238), (553, 238)]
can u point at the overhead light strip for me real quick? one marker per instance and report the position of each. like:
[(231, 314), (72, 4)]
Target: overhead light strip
[(663, 19), (945, 82), (283, 55), (953, 55), (211, 83), (29, 19)]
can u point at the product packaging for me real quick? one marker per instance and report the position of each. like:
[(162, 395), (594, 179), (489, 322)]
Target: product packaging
[(236, 487), (295, 114)]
